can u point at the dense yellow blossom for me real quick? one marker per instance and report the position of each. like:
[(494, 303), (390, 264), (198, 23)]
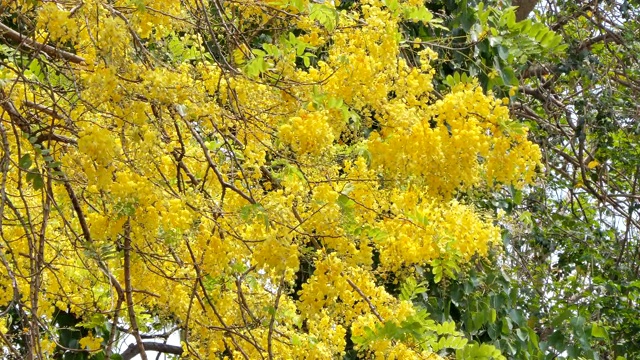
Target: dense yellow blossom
[(90, 343), (256, 198)]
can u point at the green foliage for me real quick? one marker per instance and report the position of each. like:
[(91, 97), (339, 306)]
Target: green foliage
[(411, 288), (485, 41), (570, 291), (420, 329), (265, 59), (457, 78), (180, 50), (69, 334), (325, 15), (488, 308)]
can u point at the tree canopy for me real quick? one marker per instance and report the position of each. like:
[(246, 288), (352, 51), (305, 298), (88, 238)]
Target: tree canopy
[(326, 179), (571, 248)]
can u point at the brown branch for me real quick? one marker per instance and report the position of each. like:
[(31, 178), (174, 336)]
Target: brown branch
[(4, 169), (55, 137), (214, 167), (10, 345), (114, 282), (129, 291), (134, 350), (544, 98), (606, 37), (273, 319), (538, 70), (47, 49), (14, 114), (24, 124), (78, 209), (215, 310), (14, 283), (50, 112), (524, 8), (366, 299)]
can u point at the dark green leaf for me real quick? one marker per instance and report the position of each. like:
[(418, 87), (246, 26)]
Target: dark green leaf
[(25, 161), (38, 182)]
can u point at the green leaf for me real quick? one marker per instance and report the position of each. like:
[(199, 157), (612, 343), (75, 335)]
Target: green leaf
[(411, 288), (25, 161), (140, 5), (510, 18), (191, 54), (270, 310), (418, 13), (503, 52), (547, 39), (493, 315), (98, 356), (516, 317), (578, 323), (438, 277), (295, 340), (256, 66), (345, 203), (506, 326), (561, 318), (522, 335), (38, 182), (36, 69), (271, 50), (325, 15), (517, 197), (298, 4), (392, 5), (598, 331), (258, 52), (335, 103), (54, 164), (31, 175)]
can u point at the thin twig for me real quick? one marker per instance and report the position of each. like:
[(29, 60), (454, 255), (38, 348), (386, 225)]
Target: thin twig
[(366, 298)]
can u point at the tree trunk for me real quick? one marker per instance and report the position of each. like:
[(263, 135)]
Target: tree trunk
[(524, 8)]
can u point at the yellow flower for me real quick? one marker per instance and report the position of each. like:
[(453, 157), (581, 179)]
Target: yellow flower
[(90, 342)]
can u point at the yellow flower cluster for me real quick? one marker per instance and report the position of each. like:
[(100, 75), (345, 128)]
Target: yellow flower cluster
[(454, 144), (60, 26), (90, 342), (308, 133), (430, 230)]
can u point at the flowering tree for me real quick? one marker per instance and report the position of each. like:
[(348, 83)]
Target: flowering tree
[(252, 174)]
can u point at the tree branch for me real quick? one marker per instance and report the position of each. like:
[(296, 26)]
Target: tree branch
[(128, 291), (134, 350), (47, 49), (366, 299), (606, 37), (524, 8)]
